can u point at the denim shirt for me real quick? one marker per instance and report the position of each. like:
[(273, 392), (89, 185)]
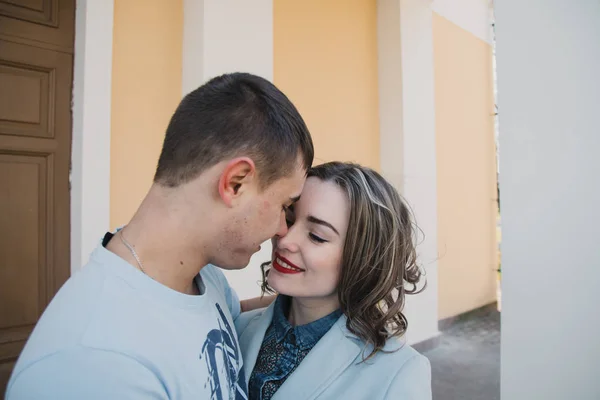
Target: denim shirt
[(283, 348)]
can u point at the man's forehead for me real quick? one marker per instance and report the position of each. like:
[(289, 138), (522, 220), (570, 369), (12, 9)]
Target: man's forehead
[(290, 187), (293, 195), (299, 186)]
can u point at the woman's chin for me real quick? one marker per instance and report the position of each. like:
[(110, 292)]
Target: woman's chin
[(276, 284)]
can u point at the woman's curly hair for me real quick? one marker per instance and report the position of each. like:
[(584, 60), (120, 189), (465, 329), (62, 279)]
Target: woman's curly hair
[(379, 262)]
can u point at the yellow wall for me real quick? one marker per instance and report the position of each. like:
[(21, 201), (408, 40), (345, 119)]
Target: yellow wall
[(325, 60), (464, 109), (146, 88)]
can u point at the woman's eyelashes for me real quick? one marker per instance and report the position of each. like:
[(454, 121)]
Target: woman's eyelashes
[(316, 238), (290, 219)]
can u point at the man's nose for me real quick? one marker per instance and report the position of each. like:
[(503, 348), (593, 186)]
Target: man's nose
[(282, 229)]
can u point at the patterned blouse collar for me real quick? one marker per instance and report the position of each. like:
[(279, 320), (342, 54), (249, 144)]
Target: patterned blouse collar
[(306, 335)]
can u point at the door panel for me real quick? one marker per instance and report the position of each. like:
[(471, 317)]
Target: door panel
[(47, 23), (26, 111), (35, 145)]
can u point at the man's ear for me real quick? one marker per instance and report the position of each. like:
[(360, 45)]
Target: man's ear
[(237, 177)]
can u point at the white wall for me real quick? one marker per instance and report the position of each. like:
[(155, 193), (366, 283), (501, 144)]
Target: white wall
[(548, 59)]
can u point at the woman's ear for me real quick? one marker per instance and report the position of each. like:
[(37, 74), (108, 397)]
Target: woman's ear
[(237, 177)]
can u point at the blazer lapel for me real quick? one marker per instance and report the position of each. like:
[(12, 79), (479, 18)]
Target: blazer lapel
[(252, 337), (323, 364)]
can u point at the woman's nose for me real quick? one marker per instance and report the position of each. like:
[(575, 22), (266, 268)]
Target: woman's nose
[(288, 242)]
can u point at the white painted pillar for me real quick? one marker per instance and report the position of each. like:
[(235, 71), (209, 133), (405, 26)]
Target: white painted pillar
[(471, 15), (221, 36), (90, 172), (407, 134), (548, 58)]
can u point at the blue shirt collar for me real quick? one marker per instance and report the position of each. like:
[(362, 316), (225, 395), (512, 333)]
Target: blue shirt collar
[(306, 335)]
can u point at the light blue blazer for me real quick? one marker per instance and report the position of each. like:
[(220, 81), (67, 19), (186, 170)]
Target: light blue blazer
[(333, 368)]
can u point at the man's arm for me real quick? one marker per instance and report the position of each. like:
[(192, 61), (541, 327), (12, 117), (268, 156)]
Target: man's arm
[(84, 373), (256, 303)]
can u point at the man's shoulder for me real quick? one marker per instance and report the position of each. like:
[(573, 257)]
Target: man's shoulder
[(65, 320), (71, 308), (95, 302)]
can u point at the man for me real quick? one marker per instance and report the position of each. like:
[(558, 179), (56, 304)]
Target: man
[(149, 317)]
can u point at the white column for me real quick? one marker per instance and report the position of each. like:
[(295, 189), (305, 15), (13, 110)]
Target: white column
[(221, 36), (90, 173), (471, 15), (548, 58), (407, 134)]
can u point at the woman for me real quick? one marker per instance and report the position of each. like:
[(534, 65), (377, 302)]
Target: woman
[(341, 271)]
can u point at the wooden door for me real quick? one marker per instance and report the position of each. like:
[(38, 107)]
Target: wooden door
[(36, 64)]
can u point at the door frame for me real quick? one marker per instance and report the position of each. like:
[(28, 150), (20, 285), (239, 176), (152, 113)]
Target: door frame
[(91, 106)]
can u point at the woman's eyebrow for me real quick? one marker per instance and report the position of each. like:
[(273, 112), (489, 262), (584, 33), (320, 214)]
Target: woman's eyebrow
[(316, 220)]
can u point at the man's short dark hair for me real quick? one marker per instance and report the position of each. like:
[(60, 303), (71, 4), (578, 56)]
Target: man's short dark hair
[(234, 115)]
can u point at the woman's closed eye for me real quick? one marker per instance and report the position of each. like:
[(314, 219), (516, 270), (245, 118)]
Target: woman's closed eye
[(316, 238)]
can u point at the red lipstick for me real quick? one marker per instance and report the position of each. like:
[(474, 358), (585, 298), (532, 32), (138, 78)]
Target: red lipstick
[(285, 266)]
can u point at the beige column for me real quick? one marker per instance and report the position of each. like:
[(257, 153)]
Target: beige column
[(407, 136)]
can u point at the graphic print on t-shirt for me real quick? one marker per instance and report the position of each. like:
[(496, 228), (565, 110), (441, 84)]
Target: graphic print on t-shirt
[(221, 353)]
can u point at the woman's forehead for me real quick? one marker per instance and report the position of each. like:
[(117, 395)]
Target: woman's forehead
[(324, 200)]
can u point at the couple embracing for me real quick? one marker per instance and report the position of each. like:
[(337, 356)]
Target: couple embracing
[(151, 316)]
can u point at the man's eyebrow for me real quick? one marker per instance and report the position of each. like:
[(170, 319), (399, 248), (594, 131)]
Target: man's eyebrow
[(315, 220)]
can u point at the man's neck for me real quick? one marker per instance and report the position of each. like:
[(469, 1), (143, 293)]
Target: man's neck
[(168, 253), (306, 310)]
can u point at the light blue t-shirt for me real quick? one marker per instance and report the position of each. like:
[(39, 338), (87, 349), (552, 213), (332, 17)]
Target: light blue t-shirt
[(112, 332)]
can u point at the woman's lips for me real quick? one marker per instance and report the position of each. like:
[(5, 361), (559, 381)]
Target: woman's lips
[(285, 266)]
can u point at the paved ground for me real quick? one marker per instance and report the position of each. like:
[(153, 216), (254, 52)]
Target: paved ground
[(466, 364)]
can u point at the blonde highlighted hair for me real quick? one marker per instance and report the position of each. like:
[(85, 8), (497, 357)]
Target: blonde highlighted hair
[(379, 261)]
